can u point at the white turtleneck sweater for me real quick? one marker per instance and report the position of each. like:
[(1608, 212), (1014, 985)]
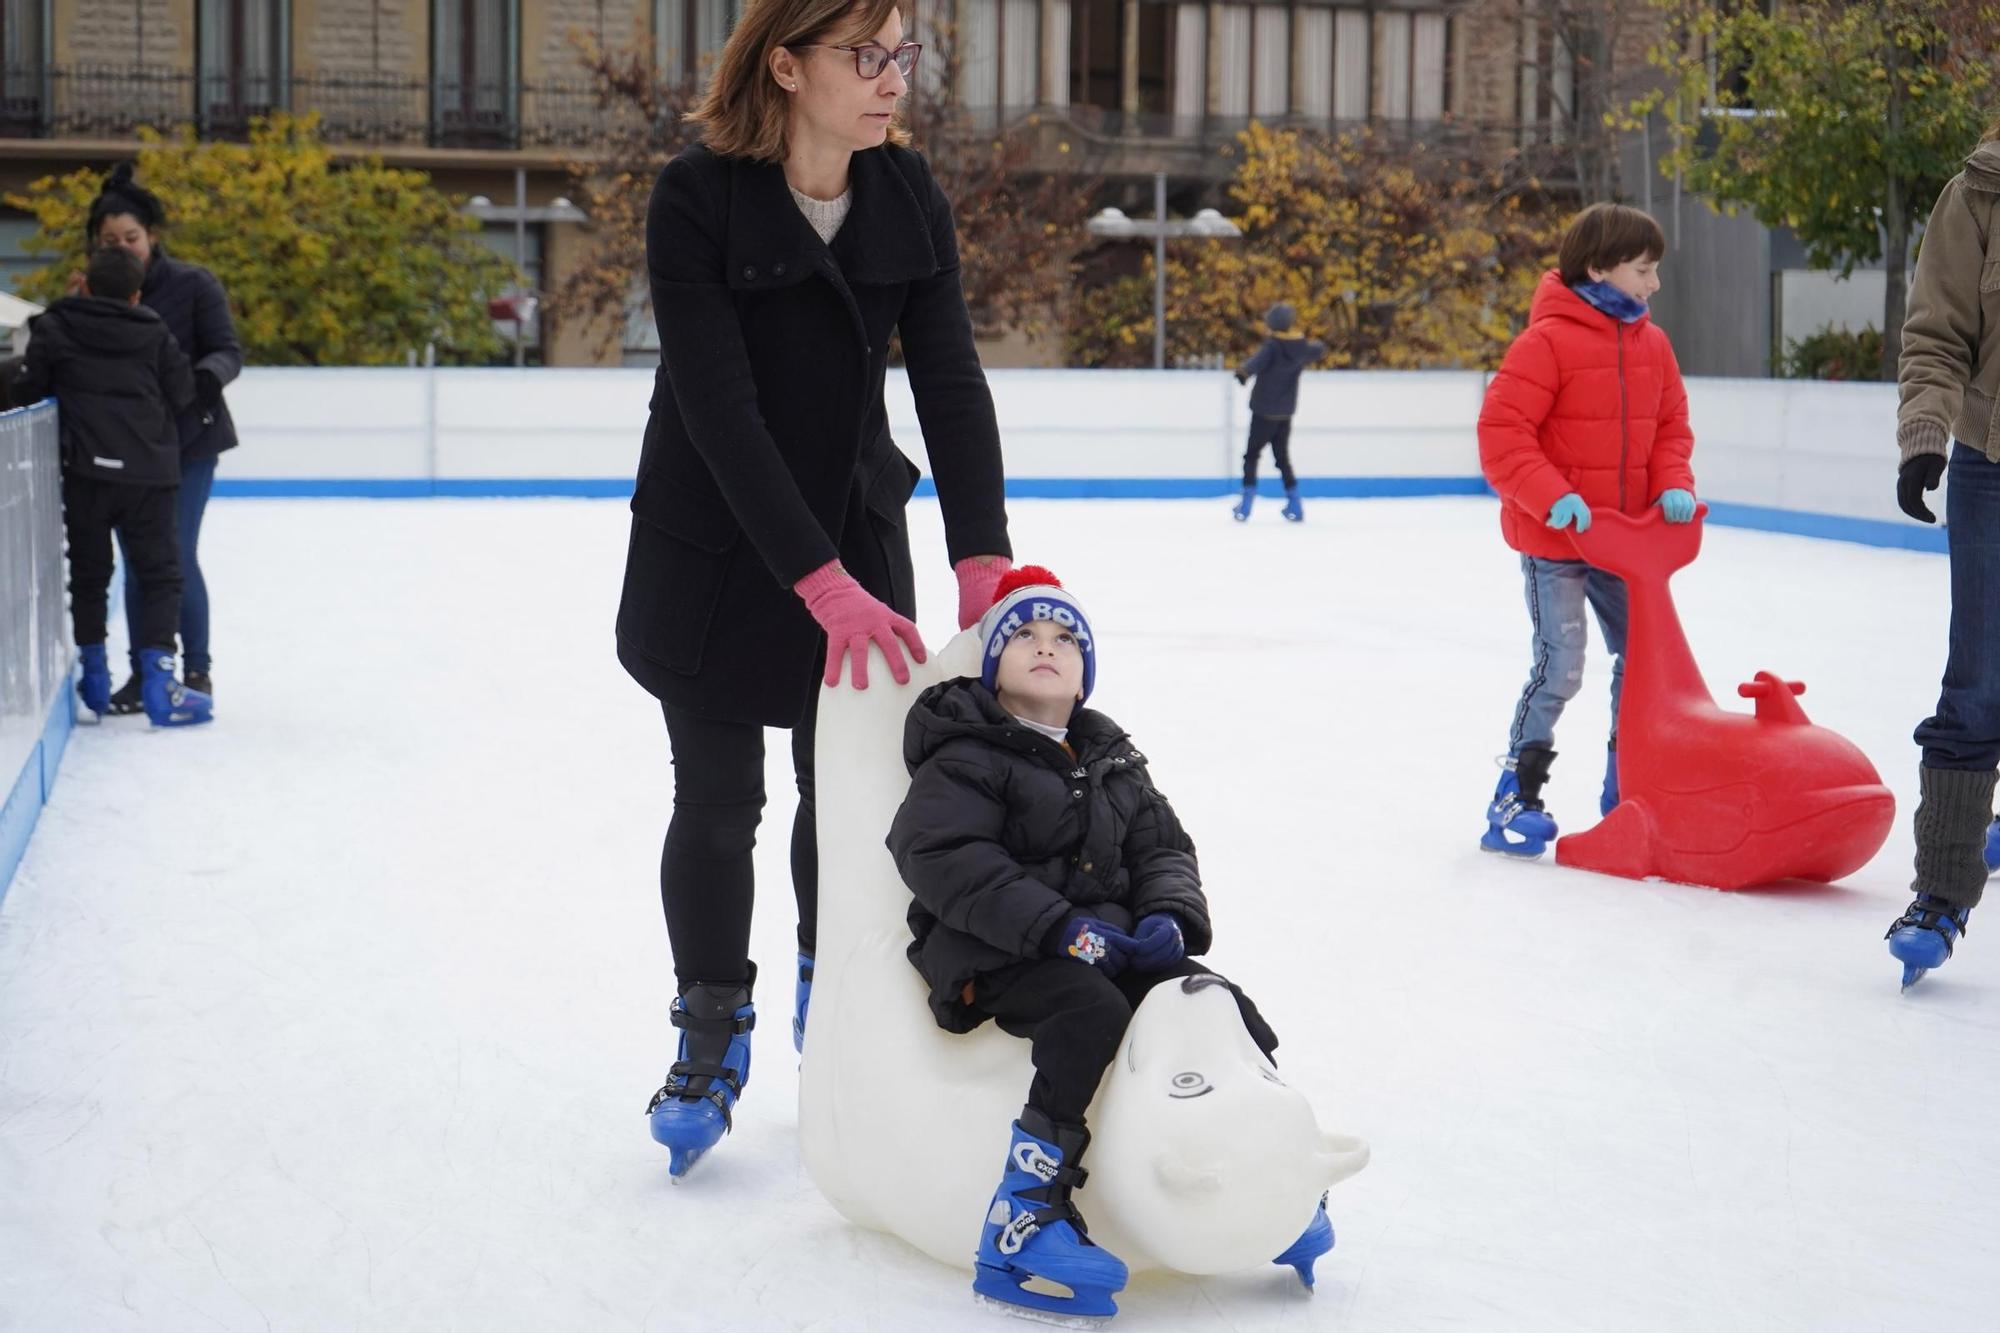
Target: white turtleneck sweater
[(825, 215)]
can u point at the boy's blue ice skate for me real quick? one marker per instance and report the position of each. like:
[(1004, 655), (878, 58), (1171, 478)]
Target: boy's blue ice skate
[(1607, 801), (1033, 1231), (1993, 847), (691, 1112), (169, 703), (1293, 511), (94, 687), (1316, 1240), (1921, 938), (1242, 510), (801, 1000), (1516, 823)]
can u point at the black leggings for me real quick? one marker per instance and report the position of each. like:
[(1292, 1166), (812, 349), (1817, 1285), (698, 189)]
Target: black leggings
[(1075, 1016), (1276, 432), (707, 884)]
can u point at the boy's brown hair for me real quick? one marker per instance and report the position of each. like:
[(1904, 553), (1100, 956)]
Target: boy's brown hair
[(743, 112), (1604, 236)]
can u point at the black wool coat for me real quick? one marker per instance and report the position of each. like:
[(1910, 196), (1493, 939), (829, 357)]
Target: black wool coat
[(1004, 835), (767, 453), (190, 301), (118, 379)]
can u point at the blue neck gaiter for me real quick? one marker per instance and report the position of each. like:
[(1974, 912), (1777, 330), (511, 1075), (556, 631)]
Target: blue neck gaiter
[(1625, 309)]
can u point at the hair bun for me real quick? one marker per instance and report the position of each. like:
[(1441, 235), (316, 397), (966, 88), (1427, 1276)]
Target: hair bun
[(120, 175)]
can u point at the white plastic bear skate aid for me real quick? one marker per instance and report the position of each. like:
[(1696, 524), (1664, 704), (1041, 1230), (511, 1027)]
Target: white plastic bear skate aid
[(1201, 1159)]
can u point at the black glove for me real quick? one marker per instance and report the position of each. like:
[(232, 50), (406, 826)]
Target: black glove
[(1241, 378), (207, 390), (1917, 475)]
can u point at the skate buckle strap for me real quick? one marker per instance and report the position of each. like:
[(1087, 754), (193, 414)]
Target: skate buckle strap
[(1927, 917), (736, 1026), (720, 1077)]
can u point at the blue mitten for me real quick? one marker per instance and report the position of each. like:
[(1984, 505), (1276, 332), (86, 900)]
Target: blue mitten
[(1159, 941), (1677, 505), (1570, 509), (1089, 940)]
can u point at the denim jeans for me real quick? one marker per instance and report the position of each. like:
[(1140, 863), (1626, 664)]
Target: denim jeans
[(197, 478), (1556, 592), (1965, 730)]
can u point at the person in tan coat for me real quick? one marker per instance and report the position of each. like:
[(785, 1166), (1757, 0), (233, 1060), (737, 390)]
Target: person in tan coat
[(1948, 380)]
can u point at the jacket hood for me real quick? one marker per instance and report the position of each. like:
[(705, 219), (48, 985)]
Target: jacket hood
[(103, 325), (963, 707), (1982, 169), (1556, 299)]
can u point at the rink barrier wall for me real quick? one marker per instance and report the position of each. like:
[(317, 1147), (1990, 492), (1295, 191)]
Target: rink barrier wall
[(37, 708), (1806, 457)]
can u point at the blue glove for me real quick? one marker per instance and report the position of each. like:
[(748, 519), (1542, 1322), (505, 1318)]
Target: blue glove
[(1089, 940), (1677, 504), (1570, 509), (1159, 941)]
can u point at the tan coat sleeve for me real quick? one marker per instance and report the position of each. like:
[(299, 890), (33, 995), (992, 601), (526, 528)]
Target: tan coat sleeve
[(1941, 331)]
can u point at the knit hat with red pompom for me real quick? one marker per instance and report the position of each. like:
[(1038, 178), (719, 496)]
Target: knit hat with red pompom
[(1032, 593)]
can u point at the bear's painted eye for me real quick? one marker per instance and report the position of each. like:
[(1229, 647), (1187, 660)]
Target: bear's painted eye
[(1190, 1084)]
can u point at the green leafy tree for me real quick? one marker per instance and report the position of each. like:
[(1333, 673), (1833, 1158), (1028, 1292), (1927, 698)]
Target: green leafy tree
[(1841, 121), (326, 262)]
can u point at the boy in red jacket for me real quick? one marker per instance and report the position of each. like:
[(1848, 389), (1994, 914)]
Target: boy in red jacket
[(1587, 412)]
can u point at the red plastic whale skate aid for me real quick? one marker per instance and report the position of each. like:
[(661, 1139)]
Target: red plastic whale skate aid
[(1707, 796)]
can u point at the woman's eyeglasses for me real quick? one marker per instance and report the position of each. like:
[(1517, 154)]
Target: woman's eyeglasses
[(871, 58)]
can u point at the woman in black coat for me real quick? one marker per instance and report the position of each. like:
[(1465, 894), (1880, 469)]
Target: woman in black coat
[(784, 253), (191, 302)]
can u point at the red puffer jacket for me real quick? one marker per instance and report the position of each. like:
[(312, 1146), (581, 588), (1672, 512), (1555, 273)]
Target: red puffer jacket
[(1581, 403)]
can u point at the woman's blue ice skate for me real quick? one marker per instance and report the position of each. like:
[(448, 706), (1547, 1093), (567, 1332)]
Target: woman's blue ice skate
[(691, 1111), (1515, 821), (1921, 938), (1033, 1232), (1315, 1241)]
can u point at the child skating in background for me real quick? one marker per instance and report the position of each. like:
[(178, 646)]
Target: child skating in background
[(1587, 411), (1275, 366), (1053, 887)]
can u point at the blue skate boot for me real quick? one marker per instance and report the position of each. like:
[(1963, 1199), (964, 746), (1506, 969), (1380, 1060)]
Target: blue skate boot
[(1921, 938), (1608, 800), (1315, 1241), (169, 703), (801, 1000), (1993, 847), (94, 688), (1516, 823), (691, 1112), (1242, 510), (1293, 511), (1033, 1231)]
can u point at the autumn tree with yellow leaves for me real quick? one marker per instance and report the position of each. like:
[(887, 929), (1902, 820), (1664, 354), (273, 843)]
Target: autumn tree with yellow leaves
[(1396, 255)]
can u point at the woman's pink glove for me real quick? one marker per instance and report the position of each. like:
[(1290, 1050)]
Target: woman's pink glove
[(852, 617), (978, 576)]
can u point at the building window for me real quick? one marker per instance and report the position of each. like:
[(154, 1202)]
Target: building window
[(475, 73), (688, 34), (1548, 81), (24, 66), (1000, 54), (241, 48)]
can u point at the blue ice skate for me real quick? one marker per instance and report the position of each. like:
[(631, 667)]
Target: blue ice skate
[(691, 1111), (1921, 938), (1993, 847), (1607, 801), (1516, 823), (169, 703), (1033, 1231), (1241, 511), (801, 1000), (1293, 511), (1316, 1240), (94, 687)]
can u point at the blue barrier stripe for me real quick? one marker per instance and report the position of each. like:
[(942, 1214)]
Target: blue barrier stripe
[(31, 787)]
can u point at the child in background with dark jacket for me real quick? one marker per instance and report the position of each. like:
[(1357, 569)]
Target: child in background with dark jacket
[(119, 381), (1053, 887), (1275, 367), (1587, 411)]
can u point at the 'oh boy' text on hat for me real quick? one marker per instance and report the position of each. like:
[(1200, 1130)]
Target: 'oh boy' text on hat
[(1050, 611)]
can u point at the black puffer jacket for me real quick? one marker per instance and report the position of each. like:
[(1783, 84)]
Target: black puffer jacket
[(190, 301), (1003, 836), (118, 379)]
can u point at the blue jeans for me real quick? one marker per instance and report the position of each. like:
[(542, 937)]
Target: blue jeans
[(1557, 591), (1965, 730), (197, 479)]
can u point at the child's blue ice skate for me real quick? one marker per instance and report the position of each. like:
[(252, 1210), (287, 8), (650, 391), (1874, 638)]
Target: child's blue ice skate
[(1293, 511), (1993, 847), (801, 1000), (1607, 801), (1033, 1231), (1921, 938), (691, 1111), (1316, 1240), (1516, 823), (94, 687), (1242, 510), (169, 703)]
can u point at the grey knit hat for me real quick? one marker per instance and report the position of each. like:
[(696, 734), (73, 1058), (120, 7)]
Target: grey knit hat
[(1280, 317)]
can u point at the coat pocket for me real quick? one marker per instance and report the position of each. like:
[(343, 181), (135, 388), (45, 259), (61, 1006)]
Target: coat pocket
[(682, 543), (893, 482)]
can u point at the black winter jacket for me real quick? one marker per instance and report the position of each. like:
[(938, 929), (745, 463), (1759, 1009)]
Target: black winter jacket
[(1003, 836), (118, 379), (190, 301), (1276, 367), (768, 451)]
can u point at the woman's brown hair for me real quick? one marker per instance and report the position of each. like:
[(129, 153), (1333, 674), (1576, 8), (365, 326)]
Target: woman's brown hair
[(1605, 236), (743, 112)]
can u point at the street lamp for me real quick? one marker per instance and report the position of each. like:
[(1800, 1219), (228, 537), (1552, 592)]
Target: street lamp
[(558, 209), (1113, 225)]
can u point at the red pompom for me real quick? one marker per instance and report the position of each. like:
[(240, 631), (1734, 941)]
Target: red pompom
[(1024, 576)]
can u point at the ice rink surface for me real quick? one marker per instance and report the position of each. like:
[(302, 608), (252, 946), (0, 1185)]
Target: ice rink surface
[(343, 1013)]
